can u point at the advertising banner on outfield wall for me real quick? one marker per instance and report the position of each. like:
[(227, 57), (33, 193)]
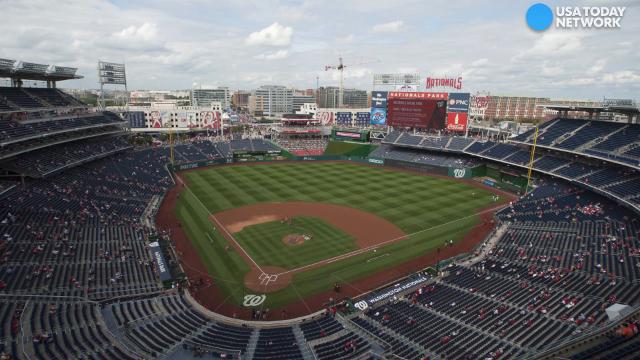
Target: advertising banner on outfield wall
[(457, 121), (458, 102)]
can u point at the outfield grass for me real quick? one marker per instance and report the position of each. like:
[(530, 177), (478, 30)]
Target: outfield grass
[(436, 209), (264, 243)]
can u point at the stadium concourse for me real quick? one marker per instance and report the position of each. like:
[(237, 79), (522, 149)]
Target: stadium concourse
[(79, 277)]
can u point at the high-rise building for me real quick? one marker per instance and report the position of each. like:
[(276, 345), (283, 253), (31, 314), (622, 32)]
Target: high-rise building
[(204, 97), (240, 99), (299, 100), (328, 97), (271, 100)]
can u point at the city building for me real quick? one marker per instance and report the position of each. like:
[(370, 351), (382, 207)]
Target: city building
[(328, 97), (300, 100), (204, 97), (271, 100), (240, 99)]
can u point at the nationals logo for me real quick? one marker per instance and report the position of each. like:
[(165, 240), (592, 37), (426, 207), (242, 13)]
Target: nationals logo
[(253, 300), (455, 83), (361, 305), (325, 117), (459, 173)]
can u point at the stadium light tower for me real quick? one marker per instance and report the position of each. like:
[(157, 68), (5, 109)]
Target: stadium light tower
[(112, 74), (340, 67)]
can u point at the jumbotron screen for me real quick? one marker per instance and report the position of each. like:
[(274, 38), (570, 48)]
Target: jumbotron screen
[(423, 110)]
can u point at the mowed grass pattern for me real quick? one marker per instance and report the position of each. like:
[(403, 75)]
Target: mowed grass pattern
[(264, 242), (438, 209)]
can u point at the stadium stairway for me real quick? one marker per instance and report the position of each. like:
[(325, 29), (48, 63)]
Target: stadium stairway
[(378, 345), (252, 344), (305, 350), (400, 344), (565, 136), (381, 345)]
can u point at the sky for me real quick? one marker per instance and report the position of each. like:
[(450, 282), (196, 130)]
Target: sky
[(245, 44)]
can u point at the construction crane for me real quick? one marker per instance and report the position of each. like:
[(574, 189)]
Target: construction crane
[(340, 67)]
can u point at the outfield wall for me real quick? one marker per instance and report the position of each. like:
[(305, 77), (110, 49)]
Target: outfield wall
[(458, 173)]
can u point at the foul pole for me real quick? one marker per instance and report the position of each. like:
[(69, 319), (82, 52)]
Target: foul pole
[(171, 146), (531, 160)]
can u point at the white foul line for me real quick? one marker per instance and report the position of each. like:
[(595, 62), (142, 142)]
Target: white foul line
[(363, 250), (225, 230)]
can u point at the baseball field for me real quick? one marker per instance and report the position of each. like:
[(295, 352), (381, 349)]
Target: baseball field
[(293, 230)]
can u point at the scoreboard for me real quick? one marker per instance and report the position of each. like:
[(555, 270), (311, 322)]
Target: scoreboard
[(423, 110)]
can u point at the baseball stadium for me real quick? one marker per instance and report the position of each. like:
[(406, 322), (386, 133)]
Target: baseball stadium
[(383, 215)]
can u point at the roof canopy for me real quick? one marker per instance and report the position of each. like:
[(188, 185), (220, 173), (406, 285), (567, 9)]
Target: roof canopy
[(31, 71)]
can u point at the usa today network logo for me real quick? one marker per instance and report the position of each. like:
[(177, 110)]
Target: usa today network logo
[(540, 16)]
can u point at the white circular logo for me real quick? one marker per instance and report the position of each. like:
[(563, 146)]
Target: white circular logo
[(325, 117), (253, 300), (459, 173), (361, 305)]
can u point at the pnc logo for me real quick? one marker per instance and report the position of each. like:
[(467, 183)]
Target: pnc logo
[(458, 102)]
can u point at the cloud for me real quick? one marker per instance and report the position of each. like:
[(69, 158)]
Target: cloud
[(145, 32), (621, 77), (551, 70), (345, 39), (170, 45), (278, 55), (273, 35), (553, 44), (575, 82), (390, 27), (480, 62), (597, 67)]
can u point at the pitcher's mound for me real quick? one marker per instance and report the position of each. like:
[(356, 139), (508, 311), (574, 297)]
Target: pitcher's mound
[(270, 279), (295, 239)]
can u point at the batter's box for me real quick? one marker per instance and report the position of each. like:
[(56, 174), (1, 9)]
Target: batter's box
[(265, 278)]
